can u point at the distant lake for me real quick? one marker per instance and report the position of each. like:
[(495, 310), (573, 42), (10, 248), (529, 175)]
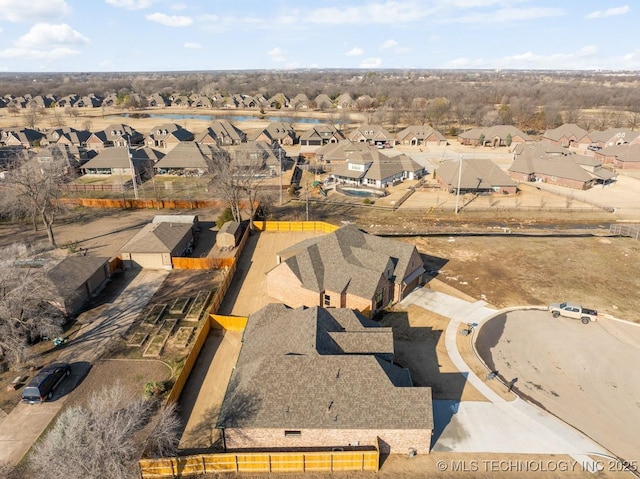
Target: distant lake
[(175, 116)]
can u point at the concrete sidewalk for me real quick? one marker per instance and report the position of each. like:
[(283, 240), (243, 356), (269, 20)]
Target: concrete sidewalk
[(22, 427), (497, 426)]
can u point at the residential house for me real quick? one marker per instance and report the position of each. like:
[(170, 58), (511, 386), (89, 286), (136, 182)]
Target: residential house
[(156, 100), (494, 136), (116, 135), (624, 157), (221, 133), (319, 135), (257, 158), (477, 176), (346, 269), (122, 162), (568, 135), (372, 134), (26, 137), (66, 135), (300, 101), (373, 169), (278, 101), (323, 102), (322, 378), (418, 135), (189, 159), (612, 137), (155, 245), (345, 102), (71, 156), (167, 136), (341, 151), (280, 132), (78, 279), (89, 101)]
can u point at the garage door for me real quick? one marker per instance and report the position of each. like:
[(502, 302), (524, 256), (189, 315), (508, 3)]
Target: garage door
[(147, 260)]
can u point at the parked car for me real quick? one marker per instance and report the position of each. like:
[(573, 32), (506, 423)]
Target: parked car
[(41, 387), (573, 310)]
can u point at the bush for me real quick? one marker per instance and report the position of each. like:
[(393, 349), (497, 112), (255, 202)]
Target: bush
[(367, 201), (225, 216), (156, 388)]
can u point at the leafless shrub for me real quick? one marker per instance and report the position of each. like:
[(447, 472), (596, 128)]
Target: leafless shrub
[(102, 440)]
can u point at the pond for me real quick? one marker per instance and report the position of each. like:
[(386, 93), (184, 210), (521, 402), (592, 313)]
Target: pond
[(177, 116)]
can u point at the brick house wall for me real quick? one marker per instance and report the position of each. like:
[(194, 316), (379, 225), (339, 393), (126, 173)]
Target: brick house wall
[(283, 285), (568, 182), (393, 441), (627, 165)]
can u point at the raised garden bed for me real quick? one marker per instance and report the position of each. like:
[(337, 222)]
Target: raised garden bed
[(183, 336), (179, 306), (155, 314), (155, 346), (137, 339), (199, 303)]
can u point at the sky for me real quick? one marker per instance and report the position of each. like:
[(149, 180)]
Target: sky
[(196, 35)]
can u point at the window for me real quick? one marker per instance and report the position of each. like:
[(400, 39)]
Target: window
[(327, 300), (379, 298), (292, 433)]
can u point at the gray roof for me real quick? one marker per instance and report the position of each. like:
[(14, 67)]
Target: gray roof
[(348, 259), (477, 173), (115, 157), (559, 166), (157, 238), (420, 132), (73, 271), (499, 131), (305, 379), (189, 154), (567, 130)]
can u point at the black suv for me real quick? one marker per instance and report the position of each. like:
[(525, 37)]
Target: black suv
[(41, 387)]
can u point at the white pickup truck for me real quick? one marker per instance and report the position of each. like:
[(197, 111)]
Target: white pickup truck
[(573, 310)]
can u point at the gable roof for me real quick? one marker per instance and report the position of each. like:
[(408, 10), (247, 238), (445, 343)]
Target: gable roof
[(74, 271), (157, 238), (568, 130), (114, 157), (420, 132), (189, 155), (477, 173), (312, 377), (348, 259)]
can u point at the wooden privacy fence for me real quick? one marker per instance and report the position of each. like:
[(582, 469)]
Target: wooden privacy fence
[(142, 204), (231, 323), (320, 226), (254, 462), (201, 263), (218, 296)]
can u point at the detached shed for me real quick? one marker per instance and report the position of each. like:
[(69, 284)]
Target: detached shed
[(229, 235), (155, 245), (78, 278)]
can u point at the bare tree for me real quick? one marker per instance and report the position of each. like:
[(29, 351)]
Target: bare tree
[(105, 438), (32, 189), (26, 304)]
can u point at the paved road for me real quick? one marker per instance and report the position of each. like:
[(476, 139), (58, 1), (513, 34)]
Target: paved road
[(580, 373), (499, 425), (22, 427)]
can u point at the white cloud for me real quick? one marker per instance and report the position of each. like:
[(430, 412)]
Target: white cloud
[(170, 20), (131, 4), (584, 58), (510, 15), (276, 54), (389, 44), (609, 12), (34, 10), (355, 52), (192, 45), (390, 12), (178, 6), (371, 63), (46, 41)]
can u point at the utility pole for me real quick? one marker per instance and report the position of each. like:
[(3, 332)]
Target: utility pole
[(459, 181), (280, 159), (307, 188)]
